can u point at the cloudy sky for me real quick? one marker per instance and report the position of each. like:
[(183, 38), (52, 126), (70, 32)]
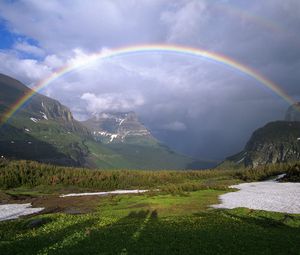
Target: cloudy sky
[(197, 106)]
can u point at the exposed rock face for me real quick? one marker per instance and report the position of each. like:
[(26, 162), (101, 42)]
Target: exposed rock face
[(39, 107), (117, 127), (293, 113), (37, 131), (274, 143), (45, 108)]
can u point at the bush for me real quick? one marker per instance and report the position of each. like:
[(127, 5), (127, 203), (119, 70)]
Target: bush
[(292, 174)]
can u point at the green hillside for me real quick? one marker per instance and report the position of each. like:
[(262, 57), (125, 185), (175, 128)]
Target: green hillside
[(45, 130)]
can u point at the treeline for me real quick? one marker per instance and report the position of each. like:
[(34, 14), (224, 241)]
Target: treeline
[(261, 173), (31, 174), (28, 173)]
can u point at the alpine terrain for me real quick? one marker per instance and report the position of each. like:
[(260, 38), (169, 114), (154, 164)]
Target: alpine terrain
[(46, 131)]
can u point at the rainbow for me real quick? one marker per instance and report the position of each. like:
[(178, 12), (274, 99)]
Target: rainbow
[(142, 49)]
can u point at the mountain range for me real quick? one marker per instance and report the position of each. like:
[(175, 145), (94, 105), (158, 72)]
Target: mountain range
[(46, 131)]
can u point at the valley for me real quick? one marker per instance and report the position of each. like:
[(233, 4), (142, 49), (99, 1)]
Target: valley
[(177, 210), (46, 131), (149, 127), (108, 186)]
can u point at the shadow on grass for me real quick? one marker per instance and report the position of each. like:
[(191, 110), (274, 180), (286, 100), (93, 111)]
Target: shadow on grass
[(258, 220), (34, 243), (116, 238), (144, 232), (216, 232)]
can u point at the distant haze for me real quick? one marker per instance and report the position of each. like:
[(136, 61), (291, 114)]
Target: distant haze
[(196, 106)]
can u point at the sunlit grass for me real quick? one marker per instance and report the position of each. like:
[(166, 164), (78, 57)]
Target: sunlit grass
[(155, 224)]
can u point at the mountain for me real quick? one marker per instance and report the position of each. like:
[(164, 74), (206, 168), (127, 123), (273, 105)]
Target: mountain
[(122, 132), (274, 143), (46, 131), (43, 129), (118, 127)]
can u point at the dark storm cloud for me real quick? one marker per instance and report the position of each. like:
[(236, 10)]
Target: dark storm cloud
[(198, 106)]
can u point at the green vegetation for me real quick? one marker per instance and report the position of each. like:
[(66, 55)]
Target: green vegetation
[(163, 204), (150, 225), (15, 174), (176, 219), (45, 130), (262, 172)]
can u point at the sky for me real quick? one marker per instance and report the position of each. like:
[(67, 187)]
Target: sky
[(197, 106)]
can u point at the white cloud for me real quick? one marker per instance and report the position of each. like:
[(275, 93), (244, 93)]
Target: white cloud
[(111, 102), (65, 25), (53, 61), (27, 70), (185, 20)]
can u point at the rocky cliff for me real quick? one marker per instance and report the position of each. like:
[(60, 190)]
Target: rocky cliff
[(43, 129), (274, 143)]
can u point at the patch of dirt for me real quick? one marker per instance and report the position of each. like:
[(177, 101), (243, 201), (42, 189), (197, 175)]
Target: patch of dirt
[(54, 203)]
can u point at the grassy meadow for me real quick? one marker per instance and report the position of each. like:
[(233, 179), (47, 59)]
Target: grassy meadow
[(175, 217)]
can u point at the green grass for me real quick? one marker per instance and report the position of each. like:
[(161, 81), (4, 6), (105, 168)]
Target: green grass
[(164, 204), (177, 219), (158, 224), (150, 156)]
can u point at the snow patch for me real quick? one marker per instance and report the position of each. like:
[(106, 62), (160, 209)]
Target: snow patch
[(267, 195), (122, 120), (34, 119), (44, 115), (14, 211), (112, 137), (135, 191), (104, 133)]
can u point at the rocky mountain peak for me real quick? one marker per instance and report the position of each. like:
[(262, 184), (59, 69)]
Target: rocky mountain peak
[(117, 127)]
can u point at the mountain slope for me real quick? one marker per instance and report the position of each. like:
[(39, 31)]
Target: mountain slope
[(42, 125), (124, 134), (45, 130), (119, 127), (275, 142)]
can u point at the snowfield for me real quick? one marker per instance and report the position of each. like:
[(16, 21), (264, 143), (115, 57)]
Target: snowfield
[(14, 211), (135, 191), (269, 196)]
